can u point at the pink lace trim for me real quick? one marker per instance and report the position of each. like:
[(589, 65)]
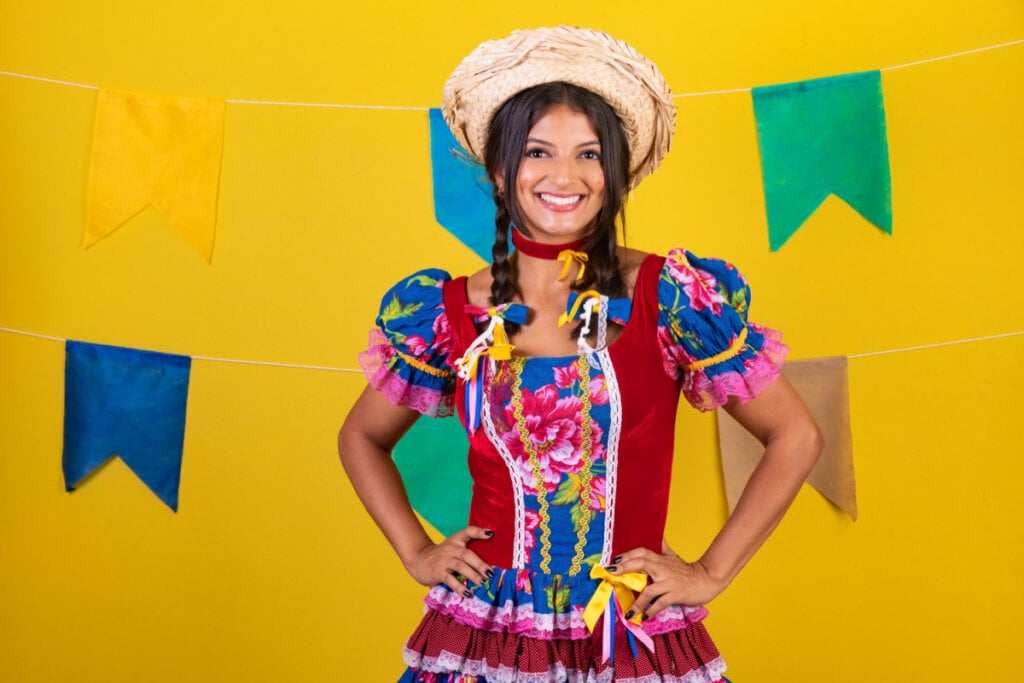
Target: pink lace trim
[(523, 621), (379, 363), (707, 393)]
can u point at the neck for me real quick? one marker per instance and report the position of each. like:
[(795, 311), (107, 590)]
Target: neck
[(547, 252)]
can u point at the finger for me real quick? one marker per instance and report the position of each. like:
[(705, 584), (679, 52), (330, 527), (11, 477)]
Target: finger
[(655, 606), (640, 560), (453, 582), (473, 533), (458, 551), (468, 571), (647, 604)]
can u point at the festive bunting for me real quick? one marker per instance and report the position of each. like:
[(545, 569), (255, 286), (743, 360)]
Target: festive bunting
[(129, 403), (823, 385), (160, 151), (823, 137), (432, 461), (462, 195)]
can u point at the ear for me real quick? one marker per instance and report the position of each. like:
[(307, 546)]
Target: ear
[(499, 182)]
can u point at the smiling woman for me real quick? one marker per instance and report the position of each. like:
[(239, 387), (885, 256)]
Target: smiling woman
[(560, 186), (565, 361)]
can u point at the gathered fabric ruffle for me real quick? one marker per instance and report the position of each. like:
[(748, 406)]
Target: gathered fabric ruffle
[(705, 336), (744, 378), (507, 632), (430, 392)]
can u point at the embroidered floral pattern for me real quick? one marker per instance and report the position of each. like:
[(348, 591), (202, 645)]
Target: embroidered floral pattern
[(704, 334), (554, 423)]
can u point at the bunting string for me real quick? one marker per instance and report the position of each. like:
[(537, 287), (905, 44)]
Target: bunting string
[(328, 105), (300, 366)]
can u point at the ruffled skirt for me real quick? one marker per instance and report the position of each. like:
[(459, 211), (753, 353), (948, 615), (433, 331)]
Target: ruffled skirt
[(525, 627)]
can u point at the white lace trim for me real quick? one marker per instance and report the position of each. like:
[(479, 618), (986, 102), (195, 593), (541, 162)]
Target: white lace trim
[(487, 421), (611, 451), (449, 662)]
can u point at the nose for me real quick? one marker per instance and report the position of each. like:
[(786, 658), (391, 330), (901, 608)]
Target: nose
[(565, 171)]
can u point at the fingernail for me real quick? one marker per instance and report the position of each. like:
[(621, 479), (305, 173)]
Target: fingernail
[(643, 618), (488, 532), (617, 559), (489, 573), (629, 614), (467, 593), (611, 568)]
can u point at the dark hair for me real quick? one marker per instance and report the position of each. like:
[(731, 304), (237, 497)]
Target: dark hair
[(506, 144)]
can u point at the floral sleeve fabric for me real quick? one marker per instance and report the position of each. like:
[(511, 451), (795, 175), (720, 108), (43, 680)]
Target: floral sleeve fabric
[(407, 358), (705, 336)]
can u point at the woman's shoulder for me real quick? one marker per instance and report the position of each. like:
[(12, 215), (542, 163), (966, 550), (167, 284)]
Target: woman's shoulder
[(478, 287), (630, 261)]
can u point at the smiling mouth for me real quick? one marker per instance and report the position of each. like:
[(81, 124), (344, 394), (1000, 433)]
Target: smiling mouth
[(561, 201)]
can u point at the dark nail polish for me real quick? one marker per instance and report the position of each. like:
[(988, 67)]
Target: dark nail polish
[(629, 614), (467, 593), (488, 532), (617, 559), (612, 568), (489, 573)]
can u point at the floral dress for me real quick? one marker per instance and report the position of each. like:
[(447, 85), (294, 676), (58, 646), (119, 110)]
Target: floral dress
[(571, 462)]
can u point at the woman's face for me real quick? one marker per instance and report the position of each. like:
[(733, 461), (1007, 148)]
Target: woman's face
[(560, 188)]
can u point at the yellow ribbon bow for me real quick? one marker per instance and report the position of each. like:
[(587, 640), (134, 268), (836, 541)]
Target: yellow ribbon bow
[(568, 256), (623, 586), (566, 318), (500, 349)]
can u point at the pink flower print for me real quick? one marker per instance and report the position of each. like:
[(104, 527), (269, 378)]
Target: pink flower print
[(416, 344), (442, 335), (531, 523), (567, 376), (523, 581), (598, 391), (555, 432), (700, 286), (597, 493), (673, 354)]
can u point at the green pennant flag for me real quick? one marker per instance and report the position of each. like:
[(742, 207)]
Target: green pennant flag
[(821, 137), (432, 461)]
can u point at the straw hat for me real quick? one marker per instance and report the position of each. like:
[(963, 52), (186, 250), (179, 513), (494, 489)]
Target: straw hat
[(631, 84)]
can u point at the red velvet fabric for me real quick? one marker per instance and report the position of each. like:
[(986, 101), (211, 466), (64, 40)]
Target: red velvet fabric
[(649, 401)]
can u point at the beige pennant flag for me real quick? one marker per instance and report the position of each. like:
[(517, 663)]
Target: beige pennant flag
[(822, 382), (155, 150)]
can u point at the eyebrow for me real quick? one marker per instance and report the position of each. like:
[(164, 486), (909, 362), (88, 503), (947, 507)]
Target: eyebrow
[(541, 141)]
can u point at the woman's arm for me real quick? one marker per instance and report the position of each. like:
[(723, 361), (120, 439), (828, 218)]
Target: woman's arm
[(780, 420), (370, 432)]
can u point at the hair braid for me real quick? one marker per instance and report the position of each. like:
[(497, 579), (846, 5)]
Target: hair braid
[(503, 284)]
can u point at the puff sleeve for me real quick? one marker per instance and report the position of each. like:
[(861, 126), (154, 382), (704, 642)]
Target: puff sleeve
[(407, 358), (704, 334)]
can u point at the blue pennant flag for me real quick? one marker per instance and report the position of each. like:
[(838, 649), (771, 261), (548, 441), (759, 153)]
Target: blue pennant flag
[(462, 194), (128, 403), (822, 137)]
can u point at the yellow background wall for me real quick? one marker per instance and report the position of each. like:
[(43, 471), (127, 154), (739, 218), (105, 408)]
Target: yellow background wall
[(271, 571)]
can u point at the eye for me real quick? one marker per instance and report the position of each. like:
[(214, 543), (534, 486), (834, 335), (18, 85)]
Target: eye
[(535, 153), (591, 155)]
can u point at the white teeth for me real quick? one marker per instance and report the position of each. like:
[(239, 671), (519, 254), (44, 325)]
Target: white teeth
[(561, 201)]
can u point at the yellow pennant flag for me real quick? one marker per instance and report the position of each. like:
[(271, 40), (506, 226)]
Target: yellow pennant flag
[(155, 150)]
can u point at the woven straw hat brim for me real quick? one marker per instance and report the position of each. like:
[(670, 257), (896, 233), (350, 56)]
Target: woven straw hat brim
[(625, 79)]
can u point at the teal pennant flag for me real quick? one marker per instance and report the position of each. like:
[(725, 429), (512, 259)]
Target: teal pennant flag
[(431, 458), (128, 403), (462, 195), (822, 137)]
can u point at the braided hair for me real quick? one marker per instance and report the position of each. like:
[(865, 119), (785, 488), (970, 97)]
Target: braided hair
[(506, 143)]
